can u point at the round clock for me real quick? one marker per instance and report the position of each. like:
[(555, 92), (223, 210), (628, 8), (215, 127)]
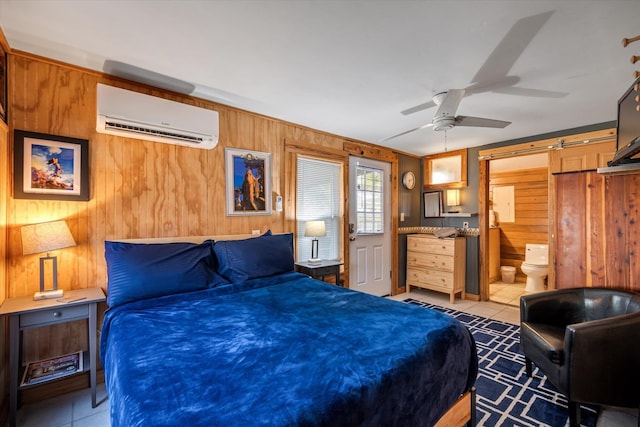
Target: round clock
[(409, 180)]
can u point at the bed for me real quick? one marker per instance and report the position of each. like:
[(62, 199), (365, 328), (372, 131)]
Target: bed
[(225, 333)]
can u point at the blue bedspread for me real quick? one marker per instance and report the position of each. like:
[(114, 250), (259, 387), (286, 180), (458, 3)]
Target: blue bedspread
[(282, 351)]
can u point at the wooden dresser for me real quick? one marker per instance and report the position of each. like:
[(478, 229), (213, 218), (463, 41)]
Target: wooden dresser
[(436, 264)]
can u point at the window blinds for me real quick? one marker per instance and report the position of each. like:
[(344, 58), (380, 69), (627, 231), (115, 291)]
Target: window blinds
[(319, 190)]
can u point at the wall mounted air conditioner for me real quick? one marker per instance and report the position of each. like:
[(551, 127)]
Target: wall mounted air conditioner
[(135, 115)]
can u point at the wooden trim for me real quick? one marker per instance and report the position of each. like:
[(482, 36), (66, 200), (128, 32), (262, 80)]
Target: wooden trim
[(483, 225), (369, 151), (395, 286), (551, 197), (3, 42), (316, 151), (459, 414), (546, 144), (427, 170)]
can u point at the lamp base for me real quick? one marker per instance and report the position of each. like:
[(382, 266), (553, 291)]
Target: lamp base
[(54, 293), (314, 261)]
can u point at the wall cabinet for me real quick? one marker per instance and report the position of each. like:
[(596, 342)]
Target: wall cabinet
[(436, 264)]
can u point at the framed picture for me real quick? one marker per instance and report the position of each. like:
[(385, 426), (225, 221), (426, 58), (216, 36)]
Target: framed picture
[(432, 204), (446, 170), (50, 167), (248, 175)]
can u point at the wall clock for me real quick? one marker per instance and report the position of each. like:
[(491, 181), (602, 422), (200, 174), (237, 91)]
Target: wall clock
[(409, 180)]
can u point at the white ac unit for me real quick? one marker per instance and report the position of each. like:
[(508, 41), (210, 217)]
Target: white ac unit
[(135, 115)]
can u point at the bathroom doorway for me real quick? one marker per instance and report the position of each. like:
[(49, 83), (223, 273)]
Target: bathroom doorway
[(518, 215)]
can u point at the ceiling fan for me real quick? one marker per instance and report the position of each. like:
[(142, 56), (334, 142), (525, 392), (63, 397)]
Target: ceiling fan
[(445, 117), (493, 76)]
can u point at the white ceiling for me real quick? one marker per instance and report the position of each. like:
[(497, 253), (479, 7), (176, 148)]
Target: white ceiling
[(350, 67)]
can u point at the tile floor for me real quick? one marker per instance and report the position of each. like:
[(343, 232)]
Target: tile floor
[(74, 409), (507, 293), (69, 410)]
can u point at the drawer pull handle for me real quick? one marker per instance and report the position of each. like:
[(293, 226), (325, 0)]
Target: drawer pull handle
[(57, 314)]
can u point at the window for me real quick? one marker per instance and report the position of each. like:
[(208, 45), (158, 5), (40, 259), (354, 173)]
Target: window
[(369, 195), (319, 197)]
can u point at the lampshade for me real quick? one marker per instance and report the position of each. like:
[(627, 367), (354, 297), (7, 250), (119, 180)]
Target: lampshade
[(453, 197), (315, 229), (45, 237)]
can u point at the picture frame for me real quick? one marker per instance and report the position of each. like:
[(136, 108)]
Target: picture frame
[(432, 204), (248, 182), (50, 167), (446, 170)]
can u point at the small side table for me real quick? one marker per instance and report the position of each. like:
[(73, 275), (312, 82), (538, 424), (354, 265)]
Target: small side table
[(25, 313), (321, 269)]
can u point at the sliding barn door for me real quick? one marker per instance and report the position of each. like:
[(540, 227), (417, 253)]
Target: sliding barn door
[(622, 213), (579, 236)]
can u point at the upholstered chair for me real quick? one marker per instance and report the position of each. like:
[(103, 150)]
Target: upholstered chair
[(587, 342)]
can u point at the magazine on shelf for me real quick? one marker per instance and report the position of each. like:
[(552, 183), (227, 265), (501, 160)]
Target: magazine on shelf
[(50, 369)]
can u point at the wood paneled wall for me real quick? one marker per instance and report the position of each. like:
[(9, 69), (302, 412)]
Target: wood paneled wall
[(597, 230), (579, 230), (531, 214), (138, 188)]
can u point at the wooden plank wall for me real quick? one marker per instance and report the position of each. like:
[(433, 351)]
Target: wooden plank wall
[(597, 230), (622, 212), (531, 214), (138, 188)]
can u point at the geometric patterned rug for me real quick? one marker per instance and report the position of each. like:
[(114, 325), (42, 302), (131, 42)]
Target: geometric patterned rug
[(505, 396)]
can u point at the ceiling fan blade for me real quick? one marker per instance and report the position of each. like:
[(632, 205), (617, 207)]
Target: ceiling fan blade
[(512, 45), (428, 125), (537, 93), (417, 108), (480, 122), (450, 103)]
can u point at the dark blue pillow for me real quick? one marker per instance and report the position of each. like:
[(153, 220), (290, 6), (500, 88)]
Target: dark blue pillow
[(262, 256), (139, 271)]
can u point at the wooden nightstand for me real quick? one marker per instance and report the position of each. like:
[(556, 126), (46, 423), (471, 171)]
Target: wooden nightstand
[(321, 269), (25, 313)]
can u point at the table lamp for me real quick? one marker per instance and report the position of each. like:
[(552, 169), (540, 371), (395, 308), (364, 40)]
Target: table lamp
[(453, 200), (314, 229), (43, 238)]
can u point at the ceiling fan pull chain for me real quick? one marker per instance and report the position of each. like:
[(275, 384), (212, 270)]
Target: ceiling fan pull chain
[(445, 141)]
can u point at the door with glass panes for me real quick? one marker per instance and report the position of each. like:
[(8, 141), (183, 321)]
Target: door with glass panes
[(369, 226)]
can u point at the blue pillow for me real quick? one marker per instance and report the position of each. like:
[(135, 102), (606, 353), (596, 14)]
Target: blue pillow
[(262, 256), (140, 271)]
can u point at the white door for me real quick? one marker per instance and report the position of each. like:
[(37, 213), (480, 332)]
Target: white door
[(369, 226)]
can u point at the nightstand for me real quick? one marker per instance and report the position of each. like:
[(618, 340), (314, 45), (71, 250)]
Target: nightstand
[(25, 313), (321, 269)]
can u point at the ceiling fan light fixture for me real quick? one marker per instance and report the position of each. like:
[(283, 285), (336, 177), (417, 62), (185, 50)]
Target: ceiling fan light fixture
[(444, 123)]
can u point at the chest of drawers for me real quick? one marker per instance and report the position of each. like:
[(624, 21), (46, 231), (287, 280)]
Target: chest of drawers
[(436, 264)]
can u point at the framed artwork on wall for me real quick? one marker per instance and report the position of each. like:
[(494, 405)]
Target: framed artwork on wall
[(50, 167), (248, 182), (446, 170)]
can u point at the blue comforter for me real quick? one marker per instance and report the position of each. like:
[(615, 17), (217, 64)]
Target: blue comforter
[(282, 351)]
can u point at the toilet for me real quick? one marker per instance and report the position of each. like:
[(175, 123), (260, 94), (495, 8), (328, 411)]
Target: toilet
[(535, 266)]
